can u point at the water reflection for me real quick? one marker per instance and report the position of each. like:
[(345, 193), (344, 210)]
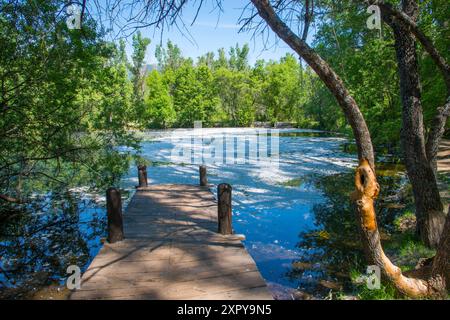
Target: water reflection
[(298, 221), (37, 246), (333, 247)]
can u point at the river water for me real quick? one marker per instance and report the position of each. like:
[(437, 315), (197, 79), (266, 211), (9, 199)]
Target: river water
[(285, 186), (274, 192)]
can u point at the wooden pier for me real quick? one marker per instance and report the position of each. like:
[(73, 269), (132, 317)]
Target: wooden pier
[(172, 250)]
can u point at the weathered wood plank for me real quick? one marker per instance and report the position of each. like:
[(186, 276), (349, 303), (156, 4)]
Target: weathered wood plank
[(172, 251)]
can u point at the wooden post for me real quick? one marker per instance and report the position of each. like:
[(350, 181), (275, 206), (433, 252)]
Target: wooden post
[(224, 208), (203, 177), (114, 211), (142, 175)]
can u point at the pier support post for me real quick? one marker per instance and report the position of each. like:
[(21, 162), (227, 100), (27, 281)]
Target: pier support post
[(203, 177), (142, 175), (224, 208), (114, 212)]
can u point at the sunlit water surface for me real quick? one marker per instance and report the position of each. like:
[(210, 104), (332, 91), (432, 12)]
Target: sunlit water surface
[(273, 198), (273, 201)]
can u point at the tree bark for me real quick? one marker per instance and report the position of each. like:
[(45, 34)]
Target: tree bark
[(435, 285), (429, 210), (440, 272)]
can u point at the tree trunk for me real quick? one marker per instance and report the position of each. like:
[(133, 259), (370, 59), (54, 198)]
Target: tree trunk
[(435, 285), (429, 210), (440, 272)]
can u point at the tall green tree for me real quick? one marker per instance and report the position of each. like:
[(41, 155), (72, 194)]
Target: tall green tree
[(194, 95), (169, 57), (282, 90), (158, 101), (137, 69), (237, 96), (239, 57)]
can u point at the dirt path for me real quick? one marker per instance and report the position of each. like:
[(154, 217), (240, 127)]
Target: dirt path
[(443, 164), (444, 156)]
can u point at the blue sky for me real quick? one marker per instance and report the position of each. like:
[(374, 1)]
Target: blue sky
[(213, 29)]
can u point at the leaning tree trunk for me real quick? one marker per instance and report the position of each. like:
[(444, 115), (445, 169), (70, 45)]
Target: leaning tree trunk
[(366, 184), (429, 210), (433, 284)]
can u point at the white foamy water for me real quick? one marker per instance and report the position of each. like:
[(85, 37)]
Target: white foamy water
[(272, 195)]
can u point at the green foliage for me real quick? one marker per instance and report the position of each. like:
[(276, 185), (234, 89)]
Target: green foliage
[(65, 103), (138, 73), (386, 292), (228, 91), (238, 57), (367, 64), (159, 105), (282, 90), (236, 92), (193, 93), (170, 57)]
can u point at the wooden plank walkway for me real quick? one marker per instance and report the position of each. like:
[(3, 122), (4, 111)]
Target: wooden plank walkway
[(172, 251)]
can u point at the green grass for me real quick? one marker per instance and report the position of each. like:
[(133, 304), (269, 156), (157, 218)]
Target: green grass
[(405, 250), (386, 292), (406, 215)]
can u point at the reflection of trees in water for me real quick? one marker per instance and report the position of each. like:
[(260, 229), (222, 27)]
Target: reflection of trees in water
[(333, 247), (37, 245)]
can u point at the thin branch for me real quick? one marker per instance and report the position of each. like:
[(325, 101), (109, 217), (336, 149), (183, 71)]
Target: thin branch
[(7, 198)]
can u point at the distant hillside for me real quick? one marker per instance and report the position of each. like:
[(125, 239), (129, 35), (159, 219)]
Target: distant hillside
[(150, 67), (147, 69)]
